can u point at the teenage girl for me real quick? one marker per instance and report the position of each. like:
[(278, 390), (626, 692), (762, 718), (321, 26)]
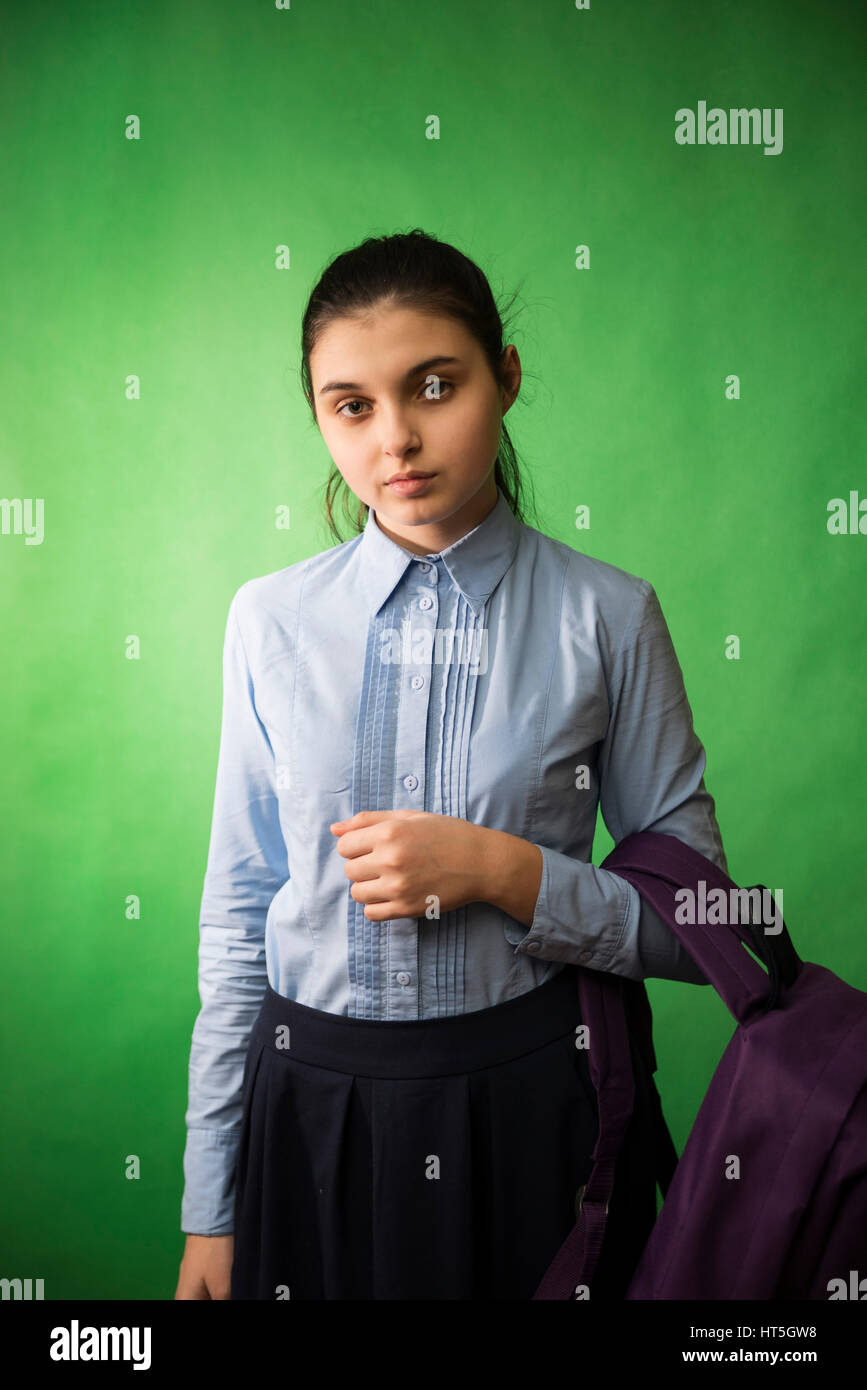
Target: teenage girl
[(386, 1098)]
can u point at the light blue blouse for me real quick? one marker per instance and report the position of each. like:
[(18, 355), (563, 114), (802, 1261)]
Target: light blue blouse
[(509, 680)]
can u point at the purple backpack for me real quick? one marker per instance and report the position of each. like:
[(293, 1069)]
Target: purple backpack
[(788, 1101)]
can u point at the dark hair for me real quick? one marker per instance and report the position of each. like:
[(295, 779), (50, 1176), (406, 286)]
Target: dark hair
[(414, 270)]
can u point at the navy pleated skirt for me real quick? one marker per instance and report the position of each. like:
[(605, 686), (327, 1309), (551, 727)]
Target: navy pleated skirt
[(429, 1159)]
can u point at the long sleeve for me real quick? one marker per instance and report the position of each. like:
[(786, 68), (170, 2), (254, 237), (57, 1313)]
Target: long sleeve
[(247, 864), (651, 777)]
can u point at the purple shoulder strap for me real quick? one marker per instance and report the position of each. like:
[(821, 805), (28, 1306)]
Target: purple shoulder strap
[(658, 866)]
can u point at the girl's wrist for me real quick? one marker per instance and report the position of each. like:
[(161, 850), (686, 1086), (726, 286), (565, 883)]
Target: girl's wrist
[(510, 873)]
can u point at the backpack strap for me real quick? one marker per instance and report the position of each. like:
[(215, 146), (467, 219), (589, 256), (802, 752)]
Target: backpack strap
[(664, 1152), (640, 1021), (783, 963), (658, 866), (603, 1009)]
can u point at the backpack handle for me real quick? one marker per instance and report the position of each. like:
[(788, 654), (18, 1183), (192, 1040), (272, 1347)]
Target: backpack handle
[(660, 865)]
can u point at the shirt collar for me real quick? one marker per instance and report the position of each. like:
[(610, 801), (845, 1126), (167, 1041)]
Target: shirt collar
[(476, 563)]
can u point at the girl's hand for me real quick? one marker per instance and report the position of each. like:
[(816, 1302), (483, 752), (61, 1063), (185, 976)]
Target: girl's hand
[(412, 863), (206, 1268)]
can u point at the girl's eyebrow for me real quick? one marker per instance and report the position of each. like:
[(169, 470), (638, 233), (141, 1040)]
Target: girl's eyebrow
[(413, 371)]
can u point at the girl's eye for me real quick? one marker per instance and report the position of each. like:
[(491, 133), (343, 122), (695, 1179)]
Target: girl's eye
[(357, 415)]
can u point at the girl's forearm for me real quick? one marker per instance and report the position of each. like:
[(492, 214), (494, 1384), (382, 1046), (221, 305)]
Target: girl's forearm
[(510, 873)]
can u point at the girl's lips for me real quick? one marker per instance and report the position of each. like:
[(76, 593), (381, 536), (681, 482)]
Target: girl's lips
[(408, 487)]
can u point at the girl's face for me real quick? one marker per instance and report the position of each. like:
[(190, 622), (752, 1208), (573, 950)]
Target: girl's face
[(398, 391)]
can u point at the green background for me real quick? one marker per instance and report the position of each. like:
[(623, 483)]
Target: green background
[(306, 127)]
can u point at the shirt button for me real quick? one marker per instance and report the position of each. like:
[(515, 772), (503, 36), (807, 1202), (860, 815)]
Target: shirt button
[(423, 566), (425, 601), (403, 978), (533, 946), (585, 955), (410, 782), (417, 682)]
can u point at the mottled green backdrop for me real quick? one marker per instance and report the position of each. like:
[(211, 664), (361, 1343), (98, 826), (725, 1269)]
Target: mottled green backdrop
[(156, 258)]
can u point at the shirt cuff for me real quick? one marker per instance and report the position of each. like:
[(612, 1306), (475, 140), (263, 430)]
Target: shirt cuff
[(208, 1205), (584, 916)]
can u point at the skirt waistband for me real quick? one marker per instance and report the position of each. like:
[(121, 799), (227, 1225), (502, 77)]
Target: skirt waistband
[(421, 1047)]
